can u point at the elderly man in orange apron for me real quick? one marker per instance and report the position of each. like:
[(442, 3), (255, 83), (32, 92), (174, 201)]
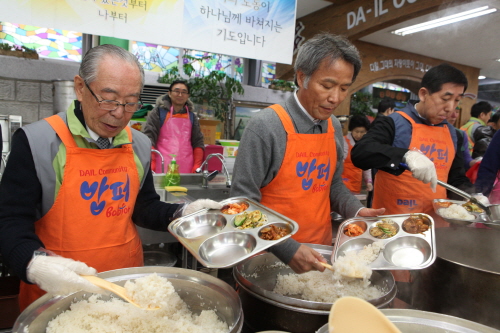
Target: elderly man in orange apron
[(77, 183), (290, 155)]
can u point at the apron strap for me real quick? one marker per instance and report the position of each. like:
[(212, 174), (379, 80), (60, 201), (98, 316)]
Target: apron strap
[(287, 121), (407, 117), (62, 130)]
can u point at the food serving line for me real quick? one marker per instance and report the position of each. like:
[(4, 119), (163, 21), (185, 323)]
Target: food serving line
[(224, 238)]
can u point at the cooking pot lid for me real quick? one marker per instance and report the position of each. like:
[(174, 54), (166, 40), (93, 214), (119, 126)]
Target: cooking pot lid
[(471, 247)]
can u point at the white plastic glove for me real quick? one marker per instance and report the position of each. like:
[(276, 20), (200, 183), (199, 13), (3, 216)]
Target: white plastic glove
[(200, 204), (421, 167), (60, 276), (482, 199)]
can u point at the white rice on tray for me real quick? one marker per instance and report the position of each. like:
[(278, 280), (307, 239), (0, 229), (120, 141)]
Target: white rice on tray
[(455, 211), (98, 316), (329, 286)]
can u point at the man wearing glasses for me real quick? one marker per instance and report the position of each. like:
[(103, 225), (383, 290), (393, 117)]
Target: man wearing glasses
[(173, 128), (77, 182)]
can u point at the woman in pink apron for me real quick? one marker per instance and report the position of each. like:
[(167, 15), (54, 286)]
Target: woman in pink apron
[(174, 129)]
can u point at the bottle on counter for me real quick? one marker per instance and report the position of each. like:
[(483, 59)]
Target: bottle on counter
[(172, 177)]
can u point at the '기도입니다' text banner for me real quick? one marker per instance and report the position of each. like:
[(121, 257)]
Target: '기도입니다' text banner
[(262, 29)]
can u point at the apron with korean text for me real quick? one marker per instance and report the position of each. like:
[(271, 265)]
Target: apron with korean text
[(405, 194), (351, 176), (91, 219), (175, 138), (301, 189)]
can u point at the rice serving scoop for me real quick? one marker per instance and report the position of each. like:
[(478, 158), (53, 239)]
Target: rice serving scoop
[(330, 267), (114, 288), (354, 315)]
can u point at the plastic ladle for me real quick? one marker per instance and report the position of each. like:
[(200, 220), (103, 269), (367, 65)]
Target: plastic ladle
[(114, 288), (354, 315)]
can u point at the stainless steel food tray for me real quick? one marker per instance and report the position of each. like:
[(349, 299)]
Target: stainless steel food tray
[(478, 217), (403, 251), (213, 239)]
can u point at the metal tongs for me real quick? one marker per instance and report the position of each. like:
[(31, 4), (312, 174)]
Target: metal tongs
[(465, 195)]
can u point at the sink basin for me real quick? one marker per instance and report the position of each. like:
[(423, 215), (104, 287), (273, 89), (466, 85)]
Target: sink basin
[(216, 190)]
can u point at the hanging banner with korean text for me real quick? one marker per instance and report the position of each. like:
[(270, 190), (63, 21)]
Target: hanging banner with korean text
[(262, 29)]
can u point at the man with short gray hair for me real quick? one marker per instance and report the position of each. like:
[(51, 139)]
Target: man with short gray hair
[(290, 155)]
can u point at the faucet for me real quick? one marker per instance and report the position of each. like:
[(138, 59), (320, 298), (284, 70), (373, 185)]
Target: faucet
[(209, 176), (162, 160)]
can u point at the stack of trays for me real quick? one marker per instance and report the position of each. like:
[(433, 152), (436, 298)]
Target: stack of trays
[(212, 237), (403, 250), (476, 217)]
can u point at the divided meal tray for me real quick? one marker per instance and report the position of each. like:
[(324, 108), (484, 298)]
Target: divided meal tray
[(403, 251), (478, 217), (213, 239)]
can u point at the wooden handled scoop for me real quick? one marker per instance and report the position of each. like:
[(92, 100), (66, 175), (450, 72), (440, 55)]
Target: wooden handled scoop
[(114, 288), (354, 315)]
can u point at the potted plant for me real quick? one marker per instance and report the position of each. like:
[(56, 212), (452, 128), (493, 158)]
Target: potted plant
[(282, 85), (361, 103), (17, 51)]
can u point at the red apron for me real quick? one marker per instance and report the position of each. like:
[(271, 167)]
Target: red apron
[(91, 219), (175, 138), (405, 194), (301, 189), (351, 176)]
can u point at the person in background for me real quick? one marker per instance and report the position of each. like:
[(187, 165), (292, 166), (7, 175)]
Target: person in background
[(488, 181), (173, 128), (420, 137), (386, 107), (76, 183), (462, 141), (290, 156), (353, 176), (484, 134), (479, 115)]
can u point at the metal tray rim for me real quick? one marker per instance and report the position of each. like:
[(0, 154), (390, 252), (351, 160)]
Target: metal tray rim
[(187, 242), (432, 241)]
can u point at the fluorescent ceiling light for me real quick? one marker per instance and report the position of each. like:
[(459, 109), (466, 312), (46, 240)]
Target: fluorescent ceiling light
[(445, 20), (481, 77)]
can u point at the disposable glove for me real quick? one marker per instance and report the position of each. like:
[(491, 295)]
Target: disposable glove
[(481, 198), (200, 204), (421, 167), (60, 276)]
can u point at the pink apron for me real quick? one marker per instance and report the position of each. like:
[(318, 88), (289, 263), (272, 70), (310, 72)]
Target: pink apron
[(175, 138)]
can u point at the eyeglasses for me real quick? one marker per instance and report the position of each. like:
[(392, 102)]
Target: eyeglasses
[(180, 92), (108, 105)]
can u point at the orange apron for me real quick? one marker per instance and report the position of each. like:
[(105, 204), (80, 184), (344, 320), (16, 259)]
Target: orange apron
[(351, 176), (91, 219), (405, 194), (301, 189)]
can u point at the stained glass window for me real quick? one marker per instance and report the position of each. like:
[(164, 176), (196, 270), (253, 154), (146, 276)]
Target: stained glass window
[(215, 62), (268, 73), (49, 43), (155, 58)]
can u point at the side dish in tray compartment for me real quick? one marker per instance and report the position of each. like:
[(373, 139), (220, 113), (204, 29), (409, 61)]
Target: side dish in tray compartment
[(250, 220), (416, 224), (234, 208), (387, 228)]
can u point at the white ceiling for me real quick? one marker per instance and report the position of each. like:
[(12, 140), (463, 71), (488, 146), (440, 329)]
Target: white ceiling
[(474, 42)]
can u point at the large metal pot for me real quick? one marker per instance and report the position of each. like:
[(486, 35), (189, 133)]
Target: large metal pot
[(189, 284), (464, 281), (414, 321), (265, 310)]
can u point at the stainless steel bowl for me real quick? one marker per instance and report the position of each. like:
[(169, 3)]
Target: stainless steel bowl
[(265, 310), (189, 284), (415, 321)]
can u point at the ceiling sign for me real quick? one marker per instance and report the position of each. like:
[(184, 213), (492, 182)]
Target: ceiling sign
[(261, 30)]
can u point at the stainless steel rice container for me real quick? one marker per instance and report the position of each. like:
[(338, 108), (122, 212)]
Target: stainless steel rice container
[(189, 284), (415, 321), (464, 281), (265, 310)]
